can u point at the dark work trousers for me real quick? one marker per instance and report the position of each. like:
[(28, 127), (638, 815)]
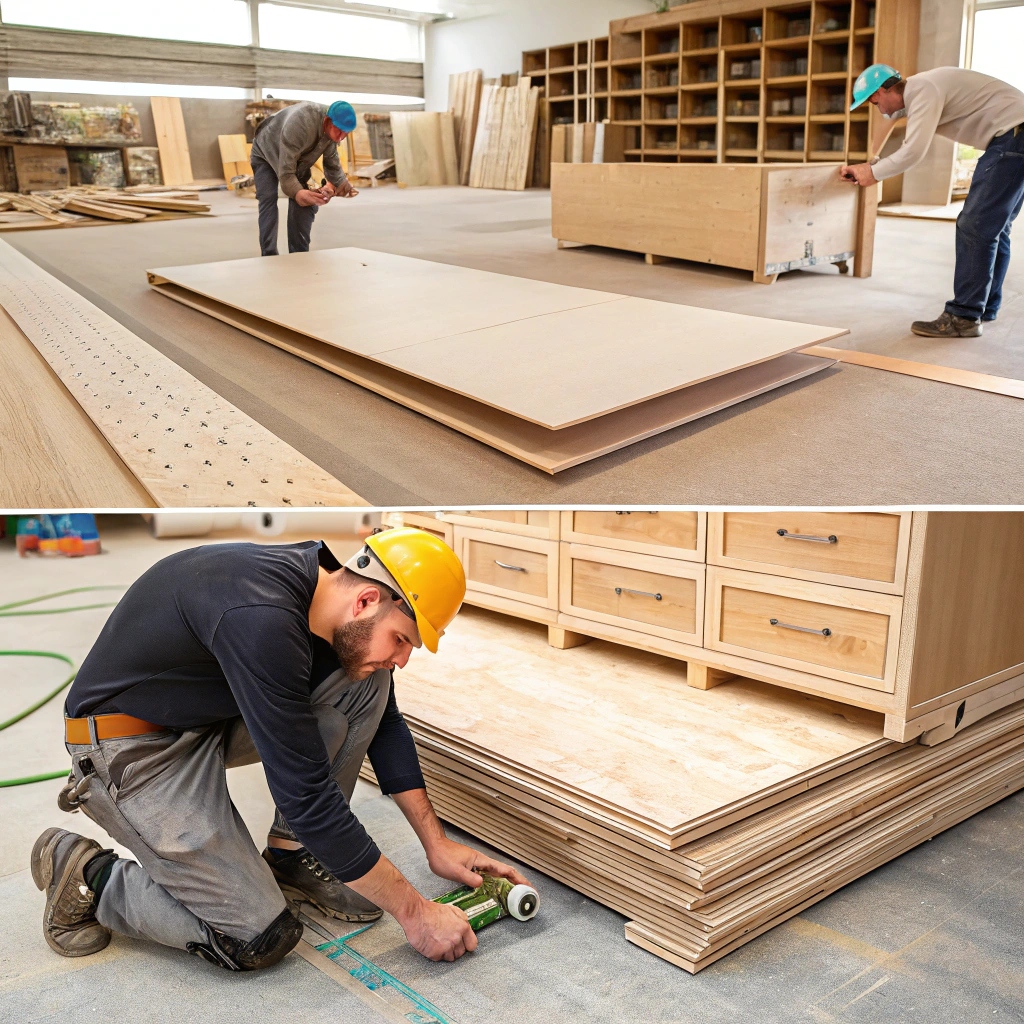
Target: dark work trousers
[(300, 218), (983, 228)]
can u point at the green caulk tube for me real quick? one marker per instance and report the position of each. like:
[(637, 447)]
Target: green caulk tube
[(494, 899)]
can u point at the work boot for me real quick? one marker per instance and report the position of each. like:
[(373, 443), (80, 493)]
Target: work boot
[(70, 927), (947, 325), (302, 877)]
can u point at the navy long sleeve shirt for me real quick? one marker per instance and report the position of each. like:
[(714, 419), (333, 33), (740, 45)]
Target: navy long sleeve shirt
[(214, 632)]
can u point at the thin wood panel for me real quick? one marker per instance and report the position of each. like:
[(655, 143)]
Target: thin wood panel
[(175, 159), (862, 627), (970, 618), (464, 103), (579, 718), (655, 595), (514, 567), (184, 443), (424, 148), (673, 534), (869, 550)]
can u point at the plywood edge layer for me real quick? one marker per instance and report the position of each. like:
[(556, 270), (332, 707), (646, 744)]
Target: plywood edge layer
[(549, 450), (1009, 386)]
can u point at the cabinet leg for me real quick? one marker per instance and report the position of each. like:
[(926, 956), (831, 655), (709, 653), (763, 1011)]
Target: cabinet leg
[(701, 677), (565, 244), (651, 260), (764, 278), (564, 639)]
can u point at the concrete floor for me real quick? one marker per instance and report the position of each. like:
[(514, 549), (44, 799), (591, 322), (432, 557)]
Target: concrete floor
[(935, 937), (850, 436)]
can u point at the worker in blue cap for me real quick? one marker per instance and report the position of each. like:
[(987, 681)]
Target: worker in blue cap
[(982, 112), (284, 149)]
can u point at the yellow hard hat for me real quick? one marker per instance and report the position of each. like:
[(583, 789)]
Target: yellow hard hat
[(428, 574)]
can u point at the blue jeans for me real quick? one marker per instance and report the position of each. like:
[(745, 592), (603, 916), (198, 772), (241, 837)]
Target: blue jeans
[(983, 228), (300, 218)]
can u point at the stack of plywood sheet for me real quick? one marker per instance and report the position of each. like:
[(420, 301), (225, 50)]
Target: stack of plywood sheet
[(234, 157), (92, 204), (705, 817), (503, 147), (464, 103), (424, 148)]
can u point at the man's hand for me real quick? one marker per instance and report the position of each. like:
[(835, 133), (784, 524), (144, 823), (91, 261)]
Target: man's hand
[(858, 174), (311, 197), (439, 931), (452, 860), (345, 190)]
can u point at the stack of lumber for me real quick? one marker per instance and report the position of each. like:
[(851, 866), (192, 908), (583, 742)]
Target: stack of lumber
[(88, 204), (503, 147), (424, 148), (774, 807), (590, 142), (464, 103)]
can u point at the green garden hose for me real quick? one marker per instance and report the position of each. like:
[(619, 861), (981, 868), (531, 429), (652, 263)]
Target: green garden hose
[(15, 608)]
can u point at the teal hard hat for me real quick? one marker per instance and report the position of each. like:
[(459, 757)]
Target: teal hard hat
[(870, 80), (342, 115)]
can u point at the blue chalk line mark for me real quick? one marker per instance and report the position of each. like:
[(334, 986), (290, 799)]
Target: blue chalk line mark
[(374, 977)]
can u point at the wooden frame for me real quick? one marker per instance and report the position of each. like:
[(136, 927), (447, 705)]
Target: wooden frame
[(536, 523), (671, 567), (432, 524), (764, 218), (465, 537), (818, 593), (623, 544), (716, 555)]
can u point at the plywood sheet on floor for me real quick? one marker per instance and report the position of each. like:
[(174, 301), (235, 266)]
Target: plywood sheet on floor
[(948, 212), (531, 349), (619, 725)]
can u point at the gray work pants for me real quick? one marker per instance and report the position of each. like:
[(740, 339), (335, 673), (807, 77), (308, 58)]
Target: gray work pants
[(165, 797), (300, 218)]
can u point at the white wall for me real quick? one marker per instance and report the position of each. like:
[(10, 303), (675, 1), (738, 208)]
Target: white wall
[(495, 42)]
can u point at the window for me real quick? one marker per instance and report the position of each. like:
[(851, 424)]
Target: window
[(364, 98), (348, 35), (200, 21), (998, 31), (67, 85)]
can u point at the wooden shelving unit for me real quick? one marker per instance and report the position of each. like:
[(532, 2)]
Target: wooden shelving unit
[(720, 82), (574, 77)]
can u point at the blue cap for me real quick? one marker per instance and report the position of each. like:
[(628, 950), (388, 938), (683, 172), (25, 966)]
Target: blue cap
[(870, 80), (342, 115)]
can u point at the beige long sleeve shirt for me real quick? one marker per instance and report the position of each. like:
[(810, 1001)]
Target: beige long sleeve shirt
[(962, 105)]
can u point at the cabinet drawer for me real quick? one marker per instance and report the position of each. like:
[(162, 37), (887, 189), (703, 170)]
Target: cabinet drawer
[(670, 534), (850, 635), (859, 549), (517, 567), (660, 596), (517, 522)]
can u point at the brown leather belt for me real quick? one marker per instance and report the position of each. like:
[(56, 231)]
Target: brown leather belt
[(108, 727)]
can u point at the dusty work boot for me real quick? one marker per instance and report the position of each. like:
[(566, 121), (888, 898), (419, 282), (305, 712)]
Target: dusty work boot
[(947, 326), (302, 877), (70, 927)]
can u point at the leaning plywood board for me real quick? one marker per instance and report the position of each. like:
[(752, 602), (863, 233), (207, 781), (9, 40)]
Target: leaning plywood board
[(762, 218), (184, 443), (506, 342), (424, 148), (550, 450), (529, 703), (175, 160)]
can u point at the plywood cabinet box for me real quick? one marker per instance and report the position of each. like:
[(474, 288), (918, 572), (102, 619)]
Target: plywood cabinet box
[(917, 615), (765, 218)]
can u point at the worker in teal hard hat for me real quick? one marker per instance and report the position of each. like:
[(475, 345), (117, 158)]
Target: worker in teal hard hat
[(284, 150), (982, 112)]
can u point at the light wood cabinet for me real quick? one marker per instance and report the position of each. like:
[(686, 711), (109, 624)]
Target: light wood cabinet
[(919, 616)]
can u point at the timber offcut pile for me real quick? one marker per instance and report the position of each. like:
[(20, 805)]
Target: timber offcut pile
[(705, 817), (85, 205), (503, 146)]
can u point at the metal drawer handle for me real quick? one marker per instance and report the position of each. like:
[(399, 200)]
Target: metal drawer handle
[(639, 593), (786, 535), (514, 568), (801, 629)]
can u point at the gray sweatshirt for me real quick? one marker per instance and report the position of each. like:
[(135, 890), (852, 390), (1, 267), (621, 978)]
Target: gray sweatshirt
[(292, 140), (962, 105)]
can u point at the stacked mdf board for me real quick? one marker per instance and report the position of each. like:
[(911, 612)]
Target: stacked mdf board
[(432, 337), (705, 817)]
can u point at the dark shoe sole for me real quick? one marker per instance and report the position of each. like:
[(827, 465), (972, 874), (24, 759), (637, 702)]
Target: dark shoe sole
[(922, 333), (296, 896)]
